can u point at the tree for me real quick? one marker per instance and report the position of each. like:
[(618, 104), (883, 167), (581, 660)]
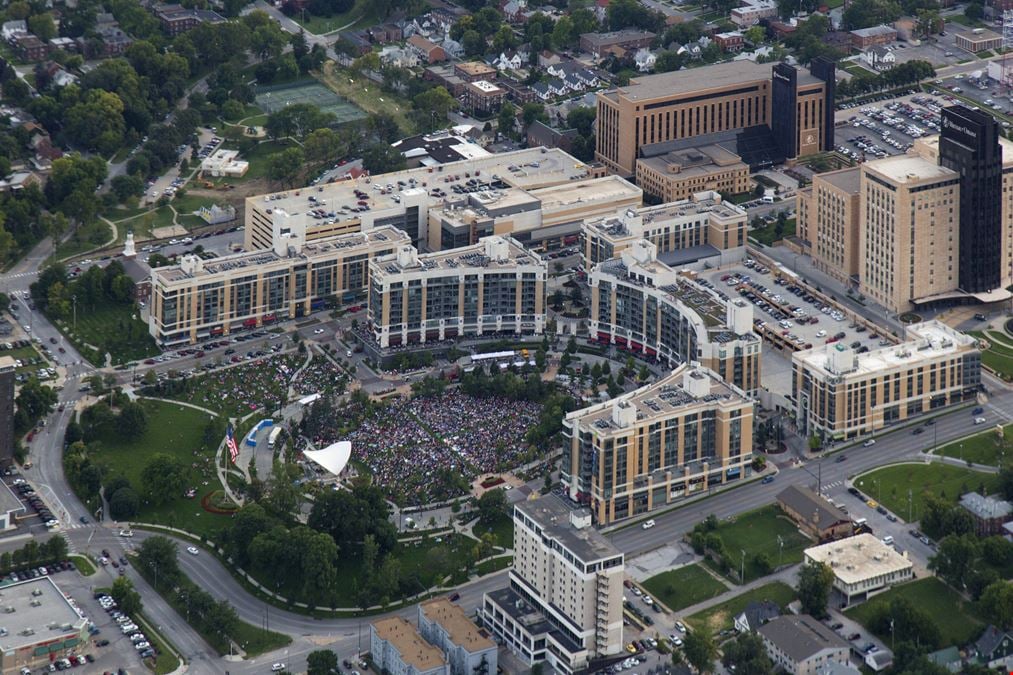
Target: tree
[(929, 22), (491, 506), (132, 421), (163, 478), (124, 503), (748, 655), (286, 165), (127, 186), (865, 13), (814, 582), (997, 603), (700, 650), (507, 118), (158, 555), (380, 158), (953, 561), (322, 662), (128, 599), (432, 106), (974, 11)]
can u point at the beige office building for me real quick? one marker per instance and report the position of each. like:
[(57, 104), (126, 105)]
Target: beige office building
[(678, 174), (700, 226), (495, 286), (828, 222), (862, 565), (564, 604), (642, 305), (839, 393), (200, 298), (662, 443), (538, 195)]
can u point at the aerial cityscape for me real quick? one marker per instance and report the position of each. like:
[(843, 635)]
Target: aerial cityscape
[(454, 337)]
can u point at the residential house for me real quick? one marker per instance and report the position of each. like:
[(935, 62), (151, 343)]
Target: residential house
[(452, 48), (513, 10), (541, 134), (386, 33), (399, 57), (644, 60), (755, 615), (814, 514), (483, 96), (863, 38), (355, 41), (948, 658), (41, 145), (989, 513), (12, 29), (29, 48), (542, 91), (18, 180), (518, 92), (879, 58), (577, 76), (176, 19), (113, 40), (509, 60), (628, 39), (732, 41), (781, 30), (445, 75), (427, 51), (63, 44), (801, 645), (879, 660), (548, 58), (994, 648)]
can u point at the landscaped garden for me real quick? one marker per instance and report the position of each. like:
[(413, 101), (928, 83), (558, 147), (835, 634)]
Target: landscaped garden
[(722, 617), (957, 619), (114, 329), (760, 541), (683, 587), (892, 485), (988, 447), (999, 355)]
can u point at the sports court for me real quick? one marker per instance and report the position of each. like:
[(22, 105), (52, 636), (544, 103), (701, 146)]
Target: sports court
[(275, 97)]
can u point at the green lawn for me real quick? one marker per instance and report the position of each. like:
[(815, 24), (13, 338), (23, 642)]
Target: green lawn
[(112, 328), (175, 430), (964, 21), (165, 661), (256, 641), (258, 158), (370, 98), (142, 225), (984, 448), (757, 532), (495, 565), (684, 587), (957, 619), (83, 565), (363, 13), (502, 530), (722, 616), (768, 235), (84, 238), (890, 485), (999, 355)]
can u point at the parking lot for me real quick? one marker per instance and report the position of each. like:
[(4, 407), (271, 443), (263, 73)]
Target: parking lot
[(789, 318), (888, 126), (977, 86)]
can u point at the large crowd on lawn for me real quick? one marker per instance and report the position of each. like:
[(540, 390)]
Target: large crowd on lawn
[(241, 389), (408, 444), (321, 376)]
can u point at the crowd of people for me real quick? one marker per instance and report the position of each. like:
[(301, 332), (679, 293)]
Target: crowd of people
[(320, 377), (239, 390), (427, 449)]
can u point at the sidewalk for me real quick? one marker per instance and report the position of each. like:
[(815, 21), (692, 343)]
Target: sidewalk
[(786, 575)]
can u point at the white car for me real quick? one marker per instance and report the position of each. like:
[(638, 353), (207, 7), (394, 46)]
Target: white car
[(869, 443), (980, 420), (192, 550), (318, 331), (277, 667), (126, 533), (649, 524), (821, 333)]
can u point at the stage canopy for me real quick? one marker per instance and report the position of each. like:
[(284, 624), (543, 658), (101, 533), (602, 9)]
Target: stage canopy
[(334, 458)]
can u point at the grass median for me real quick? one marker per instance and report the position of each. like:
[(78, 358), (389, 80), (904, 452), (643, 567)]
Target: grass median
[(83, 565), (166, 659)]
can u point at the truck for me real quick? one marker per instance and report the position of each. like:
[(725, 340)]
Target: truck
[(275, 432)]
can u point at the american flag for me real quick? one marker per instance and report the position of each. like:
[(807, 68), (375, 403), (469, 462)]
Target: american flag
[(230, 443)]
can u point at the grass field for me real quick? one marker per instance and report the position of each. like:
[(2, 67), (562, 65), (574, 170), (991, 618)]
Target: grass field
[(757, 532), (83, 565), (368, 97), (502, 530), (983, 448), (85, 238), (258, 159), (889, 485), (999, 355), (363, 13), (274, 98), (722, 616), (684, 587), (957, 619), (767, 234), (112, 328), (143, 224), (174, 430)]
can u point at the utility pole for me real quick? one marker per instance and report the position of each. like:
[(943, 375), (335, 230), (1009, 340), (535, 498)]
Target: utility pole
[(910, 506), (742, 569)]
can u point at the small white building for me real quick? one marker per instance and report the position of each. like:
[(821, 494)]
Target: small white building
[(224, 163), (879, 58), (862, 565), (645, 59)]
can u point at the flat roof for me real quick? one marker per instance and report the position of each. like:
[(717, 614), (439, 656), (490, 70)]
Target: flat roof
[(231, 264), (552, 514), (476, 256), (41, 613), (528, 168), (462, 631), (661, 398), (909, 169), (985, 34), (717, 76), (928, 339), (847, 180), (605, 189), (872, 31), (801, 637), (858, 558), (414, 650)]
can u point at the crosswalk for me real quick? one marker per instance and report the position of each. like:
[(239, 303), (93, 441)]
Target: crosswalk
[(833, 484), (19, 275)]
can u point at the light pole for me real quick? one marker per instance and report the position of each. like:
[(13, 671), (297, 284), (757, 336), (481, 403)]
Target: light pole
[(74, 298), (742, 569)]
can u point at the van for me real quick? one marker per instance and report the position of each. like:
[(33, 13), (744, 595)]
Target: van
[(888, 540), (859, 522)]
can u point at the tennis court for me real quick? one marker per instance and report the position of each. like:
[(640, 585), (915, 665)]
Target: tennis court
[(274, 98)]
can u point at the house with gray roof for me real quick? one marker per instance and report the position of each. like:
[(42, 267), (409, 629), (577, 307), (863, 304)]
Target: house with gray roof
[(989, 513), (814, 514), (801, 645), (994, 648), (755, 615)]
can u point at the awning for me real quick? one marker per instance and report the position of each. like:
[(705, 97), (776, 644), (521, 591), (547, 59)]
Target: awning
[(334, 458)]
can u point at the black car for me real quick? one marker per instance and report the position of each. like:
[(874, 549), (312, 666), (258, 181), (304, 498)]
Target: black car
[(918, 430), (930, 422)]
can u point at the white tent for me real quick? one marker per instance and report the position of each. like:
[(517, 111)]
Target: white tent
[(334, 458)]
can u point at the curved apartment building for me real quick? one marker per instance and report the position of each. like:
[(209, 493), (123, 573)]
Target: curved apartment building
[(642, 305)]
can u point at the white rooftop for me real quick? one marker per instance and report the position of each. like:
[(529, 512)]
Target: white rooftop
[(858, 558)]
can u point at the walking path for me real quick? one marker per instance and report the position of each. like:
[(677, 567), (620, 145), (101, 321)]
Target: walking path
[(786, 575)]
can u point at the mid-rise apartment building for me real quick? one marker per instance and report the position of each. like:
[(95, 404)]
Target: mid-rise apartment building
[(397, 648), (643, 305), (564, 604), (828, 217), (657, 445), (495, 286), (199, 298), (839, 393), (671, 175), (797, 108), (539, 196), (702, 225), (931, 227)]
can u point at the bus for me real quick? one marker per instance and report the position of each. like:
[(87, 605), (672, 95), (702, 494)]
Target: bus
[(273, 437)]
